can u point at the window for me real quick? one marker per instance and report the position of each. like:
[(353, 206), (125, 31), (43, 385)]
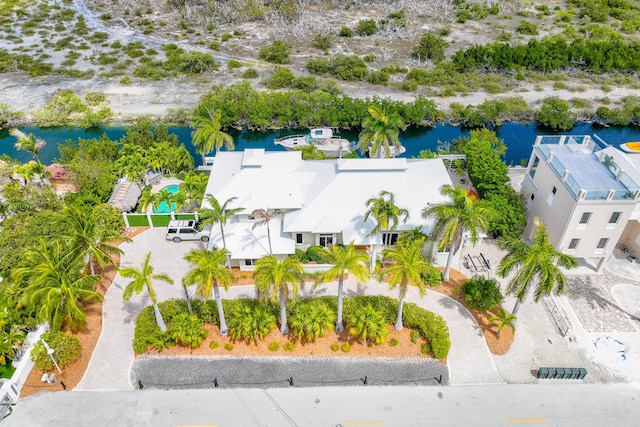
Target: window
[(252, 218), (533, 196), (574, 244), (299, 238), (325, 240), (551, 196), (602, 243), (615, 217), (390, 239), (554, 191), (250, 262), (584, 219)]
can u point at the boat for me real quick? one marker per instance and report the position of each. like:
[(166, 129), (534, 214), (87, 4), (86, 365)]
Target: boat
[(322, 139), (381, 153), (631, 147)]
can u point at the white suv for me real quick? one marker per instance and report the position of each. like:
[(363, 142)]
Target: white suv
[(179, 230)]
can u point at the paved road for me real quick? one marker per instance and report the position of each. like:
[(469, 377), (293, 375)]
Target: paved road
[(552, 404)]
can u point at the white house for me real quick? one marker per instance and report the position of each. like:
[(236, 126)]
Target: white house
[(584, 194), (323, 201)]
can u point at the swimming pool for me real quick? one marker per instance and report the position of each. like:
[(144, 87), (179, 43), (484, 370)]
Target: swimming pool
[(164, 207)]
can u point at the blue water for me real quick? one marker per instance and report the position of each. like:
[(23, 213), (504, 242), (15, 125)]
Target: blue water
[(519, 138), (164, 207)]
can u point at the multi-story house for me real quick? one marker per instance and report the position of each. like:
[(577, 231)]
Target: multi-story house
[(582, 192), (318, 202)]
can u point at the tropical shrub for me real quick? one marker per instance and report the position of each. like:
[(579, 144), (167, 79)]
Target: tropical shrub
[(228, 346), (393, 342), (317, 254), (281, 77), (482, 294), (345, 32), (277, 53), (147, 333), (366, 323), (187, 330), (556, 114), (274, 346), (322, 41), (335, 347), (431, 326), (367, 27), (414, 335), (310, 320), (346, 347), (250, 322), (66, 350), (431, 46), (289, 346), (214, 344)]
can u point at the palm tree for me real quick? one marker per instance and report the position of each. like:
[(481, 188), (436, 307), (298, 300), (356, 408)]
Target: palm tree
[(208, 273), (208, 136), (142, 278), (387, 216), (408, 267), (263, 217), (461, 213), (219, 213), (55, 286), (275, 276), (147, 198), (194, 186), (85, 231), (345, 260), (29, 143), (380, 131), (503, 318), (535, 264), (166, 196)]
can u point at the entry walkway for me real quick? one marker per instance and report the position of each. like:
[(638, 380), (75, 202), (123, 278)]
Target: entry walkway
[(469, 360)]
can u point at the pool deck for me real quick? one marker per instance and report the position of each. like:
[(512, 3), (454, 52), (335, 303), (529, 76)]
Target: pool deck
[(165, 183)]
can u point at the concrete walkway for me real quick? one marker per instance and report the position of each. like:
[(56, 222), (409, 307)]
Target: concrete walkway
[(469, 359)]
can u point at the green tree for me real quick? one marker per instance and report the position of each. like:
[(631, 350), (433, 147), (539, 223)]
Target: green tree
[(29, 143), (556, 114), (537, 264), (208, 136), (408, 267), (461, 213), (147, 198), (277, 53), (208, 273), (54, 284), (503, 318), (275, 277), (380, 132), (482, 294), (387, 216), (193, 187), (263, 217), (90, 234), (219, 213), (345, 260), (142, 278), (431, 46)]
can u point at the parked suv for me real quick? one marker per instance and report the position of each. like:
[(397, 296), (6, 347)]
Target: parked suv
[(179, 230)]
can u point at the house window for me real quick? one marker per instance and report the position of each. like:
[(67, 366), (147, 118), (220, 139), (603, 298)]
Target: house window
[(299, 238), (602, 243), (554, 191), (574, 244), (250, 262), (615, 217), (533, 196), (551, 196), (325, 240), (584, 219), (390, 239), (252, 218)]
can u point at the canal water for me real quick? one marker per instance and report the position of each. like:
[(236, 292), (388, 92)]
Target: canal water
[(518, 137)]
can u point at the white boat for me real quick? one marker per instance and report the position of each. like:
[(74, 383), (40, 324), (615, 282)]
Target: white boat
[(321, 138), (631, 147), (381, 152)]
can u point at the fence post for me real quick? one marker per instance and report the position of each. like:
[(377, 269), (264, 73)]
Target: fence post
[(126, 219), (149, 219)]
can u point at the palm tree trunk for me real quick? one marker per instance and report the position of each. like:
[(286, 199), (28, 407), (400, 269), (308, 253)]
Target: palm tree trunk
[(516, 307), (372, 264), (339, 325), (224, 330), (91, 267), (186, 297), (399, 324), (269, 239), (447, 269), (284, 327), (227, 258), (159, 319)]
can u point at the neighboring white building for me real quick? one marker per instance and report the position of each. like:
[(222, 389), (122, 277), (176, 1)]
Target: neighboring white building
[(584, 195), (631, 235), (323, 200)]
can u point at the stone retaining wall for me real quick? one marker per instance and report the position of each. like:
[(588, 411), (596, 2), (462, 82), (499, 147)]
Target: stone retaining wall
[(180, 372)]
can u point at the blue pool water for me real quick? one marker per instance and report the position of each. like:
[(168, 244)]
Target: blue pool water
[(164, 207)]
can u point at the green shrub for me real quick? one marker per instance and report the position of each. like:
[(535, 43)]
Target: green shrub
[(289, 346), (274, 346), (66, 349), (378, 78), (305, 83), (282, 77), (431, 326), (277, 53), (318, 66), (187, 330), (310, 320), (482, 294), (366, 323), (228, 346), (346, 347), (94, 98), (214, 45), (345, 32), (234, 64), (322, 41), (393, 342), (226, 36), (250, 73), (214, 344), (335, 347), (317, 254), (367, 27), (425, 349), (528, 28), (431, 46), (414, 335), (250, 321), (369, 58)]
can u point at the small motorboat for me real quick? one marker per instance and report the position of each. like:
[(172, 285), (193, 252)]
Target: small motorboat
[(631, 147), (322, 139)]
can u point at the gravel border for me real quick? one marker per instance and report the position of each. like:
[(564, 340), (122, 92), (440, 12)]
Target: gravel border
[(183, 372)]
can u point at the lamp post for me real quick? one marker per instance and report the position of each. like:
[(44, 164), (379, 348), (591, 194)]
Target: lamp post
[(50, 352)]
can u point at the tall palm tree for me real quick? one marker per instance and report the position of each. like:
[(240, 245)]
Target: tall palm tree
[(345, 260), (380, 132), (208, 135), (535, 264), (219, 213), (194, 186), (263, 217), (275, 276), (83, 230), (55, 285), (503, 318), (209, 271), (29, 143), (408, 267), (147, 198), (387, 216), (461, 213), (166, 196), (142, 278)]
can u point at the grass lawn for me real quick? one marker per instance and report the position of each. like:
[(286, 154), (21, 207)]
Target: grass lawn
[(6, 371)]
